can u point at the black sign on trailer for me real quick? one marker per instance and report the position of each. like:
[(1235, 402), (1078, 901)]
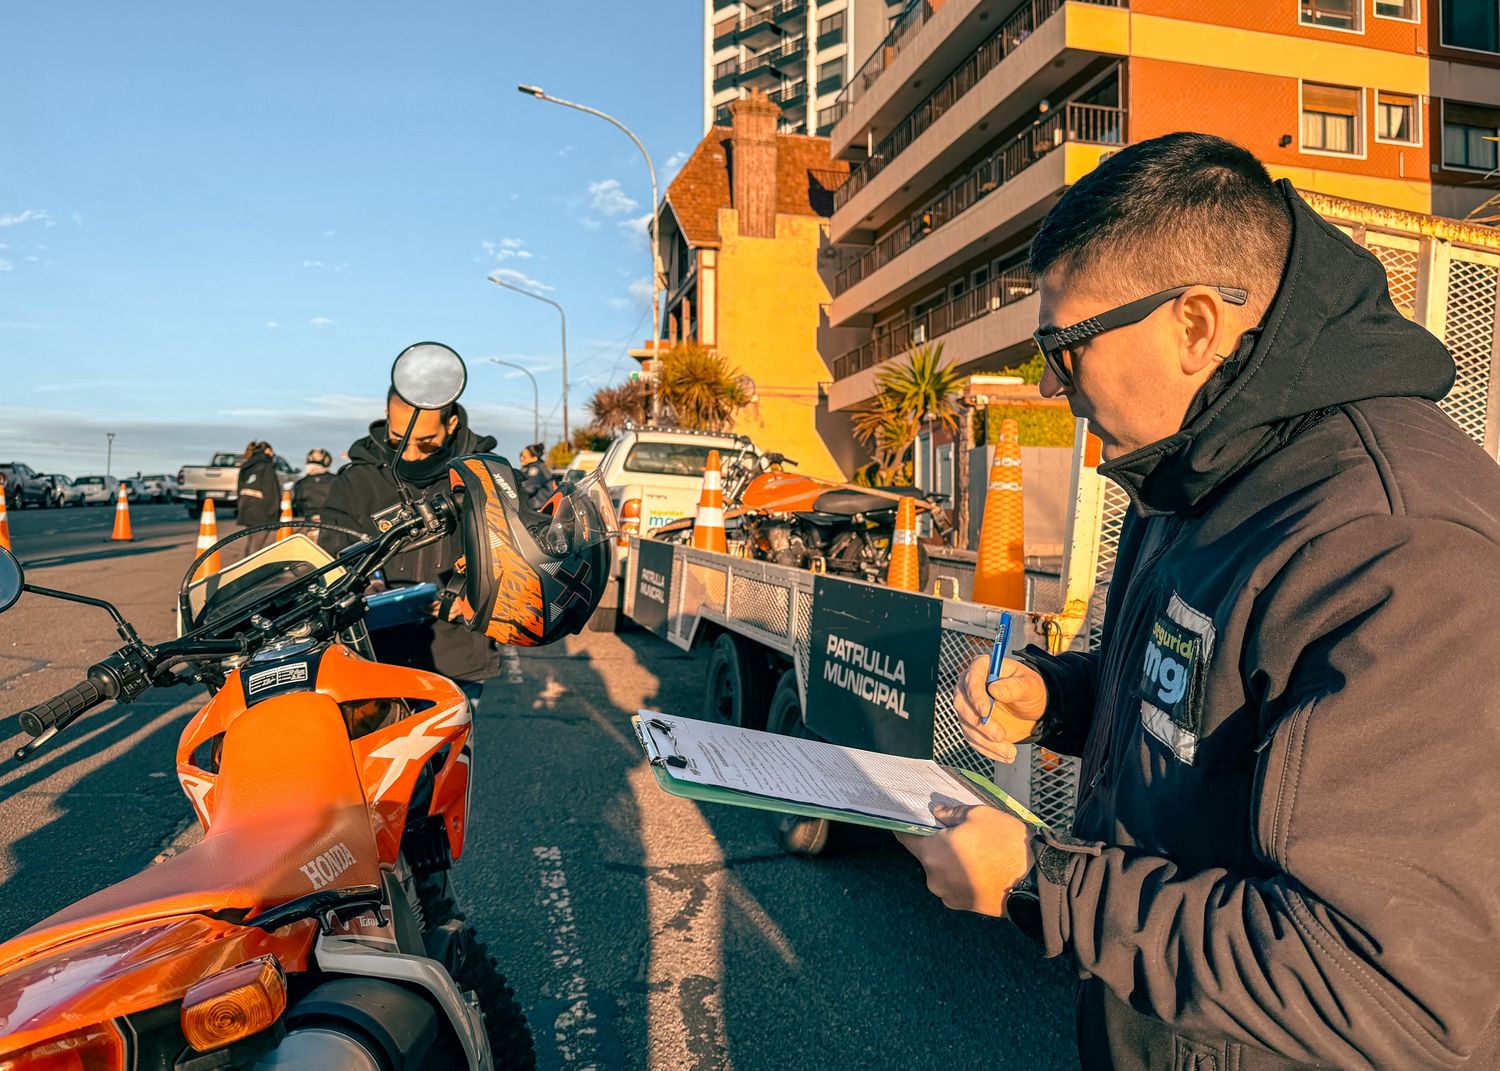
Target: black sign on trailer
[(872, 667), (653, 585)]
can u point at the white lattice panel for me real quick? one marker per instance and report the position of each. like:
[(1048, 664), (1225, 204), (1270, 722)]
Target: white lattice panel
[(1470, 334)]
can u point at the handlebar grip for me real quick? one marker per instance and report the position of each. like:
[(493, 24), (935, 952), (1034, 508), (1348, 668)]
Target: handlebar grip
[(61, 708)]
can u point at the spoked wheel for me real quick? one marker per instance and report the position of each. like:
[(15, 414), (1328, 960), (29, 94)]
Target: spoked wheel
[(797, 835)]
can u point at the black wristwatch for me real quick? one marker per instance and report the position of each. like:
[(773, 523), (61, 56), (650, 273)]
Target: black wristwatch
[(1023, 904)]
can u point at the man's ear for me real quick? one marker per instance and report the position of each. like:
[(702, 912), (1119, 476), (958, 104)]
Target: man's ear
[(1202, 319), (452, 424)]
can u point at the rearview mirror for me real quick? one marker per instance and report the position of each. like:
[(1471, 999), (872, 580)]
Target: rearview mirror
[(429, 375), (11, 580)]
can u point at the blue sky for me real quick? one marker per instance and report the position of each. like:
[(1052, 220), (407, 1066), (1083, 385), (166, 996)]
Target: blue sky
[(220, 222)]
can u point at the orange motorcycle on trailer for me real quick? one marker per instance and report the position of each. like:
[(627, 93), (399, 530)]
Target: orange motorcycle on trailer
[(313, 926), (791, 519)]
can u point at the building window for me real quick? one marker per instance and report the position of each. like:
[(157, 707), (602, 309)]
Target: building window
[(1332, 14), (1405, 10), (831, 29), (725, 68), (1468, 133), (1330, 119), (1397, 118), (1472, 24), (831, 76)]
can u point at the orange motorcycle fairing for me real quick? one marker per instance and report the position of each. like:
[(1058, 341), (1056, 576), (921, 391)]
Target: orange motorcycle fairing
[(289, 818), (389, 754), (126, 971)]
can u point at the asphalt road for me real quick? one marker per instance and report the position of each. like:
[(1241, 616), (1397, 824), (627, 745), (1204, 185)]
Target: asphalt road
[(640, 930)]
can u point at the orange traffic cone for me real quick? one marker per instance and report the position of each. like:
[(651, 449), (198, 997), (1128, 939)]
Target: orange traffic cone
[(208, 535), (708, 528), (4, 520), (286, 516), (1000, 575), (905, 571), (122, 517)]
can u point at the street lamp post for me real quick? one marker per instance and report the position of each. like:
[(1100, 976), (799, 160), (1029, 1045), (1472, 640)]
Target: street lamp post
[(536, 405), (564, 317), (536, 91), (109, 455)]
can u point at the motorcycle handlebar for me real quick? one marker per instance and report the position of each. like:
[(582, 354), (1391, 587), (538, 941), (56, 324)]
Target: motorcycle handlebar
[(61, 709)]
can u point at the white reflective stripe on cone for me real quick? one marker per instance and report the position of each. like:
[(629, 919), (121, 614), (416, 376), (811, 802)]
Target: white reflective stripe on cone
[(1005, 486), (711, 480), (903, 537), (711, 515)]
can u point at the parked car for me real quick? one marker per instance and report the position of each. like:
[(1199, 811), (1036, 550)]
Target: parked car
[(98, 490), (135, 489), (220, 480), (64, 493), (24, 486), (162, 487), (583, 463)]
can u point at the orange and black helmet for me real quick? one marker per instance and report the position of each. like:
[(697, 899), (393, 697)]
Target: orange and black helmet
[(531, 577)]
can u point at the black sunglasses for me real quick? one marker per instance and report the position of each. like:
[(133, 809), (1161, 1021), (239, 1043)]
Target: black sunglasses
[(1054, 342)]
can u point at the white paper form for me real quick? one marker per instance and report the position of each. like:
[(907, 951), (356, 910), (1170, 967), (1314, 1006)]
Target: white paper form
[(807, 771)]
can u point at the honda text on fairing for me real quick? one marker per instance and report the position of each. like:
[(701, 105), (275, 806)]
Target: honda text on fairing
[(314, 925)]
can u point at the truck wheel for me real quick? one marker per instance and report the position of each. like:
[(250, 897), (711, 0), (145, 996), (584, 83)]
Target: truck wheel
[(195, 510), (799, 836), (736, 684)]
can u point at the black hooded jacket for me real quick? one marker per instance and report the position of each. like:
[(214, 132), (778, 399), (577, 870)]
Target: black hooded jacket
[(366, 486), (258, 492), (1286, 843)]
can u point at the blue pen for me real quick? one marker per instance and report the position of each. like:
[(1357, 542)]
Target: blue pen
[(997, 658)]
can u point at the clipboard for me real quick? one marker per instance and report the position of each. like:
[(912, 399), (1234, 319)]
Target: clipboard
[(661, 767)]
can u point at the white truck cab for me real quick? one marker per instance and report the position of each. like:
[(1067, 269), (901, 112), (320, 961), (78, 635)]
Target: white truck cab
[(654, 474)]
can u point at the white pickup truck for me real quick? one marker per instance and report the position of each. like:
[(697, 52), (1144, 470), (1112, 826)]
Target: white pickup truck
[(220, 480), (654, 476)]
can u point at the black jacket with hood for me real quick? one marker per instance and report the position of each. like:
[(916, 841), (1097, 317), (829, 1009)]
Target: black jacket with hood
[(366, 486), (258, 491), (1287, 848)]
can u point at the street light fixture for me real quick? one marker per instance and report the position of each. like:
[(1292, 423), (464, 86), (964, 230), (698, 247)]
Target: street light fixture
[(109, 456), (536, 405), (564, 317), (536, 91)]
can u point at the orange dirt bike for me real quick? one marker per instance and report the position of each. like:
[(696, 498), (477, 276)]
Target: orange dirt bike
[(313, 926), (791, 519)]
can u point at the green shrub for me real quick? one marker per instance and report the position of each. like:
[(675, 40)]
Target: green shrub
[(1039, 425)]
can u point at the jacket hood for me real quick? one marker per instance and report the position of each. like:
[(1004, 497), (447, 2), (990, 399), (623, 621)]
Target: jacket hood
[(374, 449), (1331, 337)]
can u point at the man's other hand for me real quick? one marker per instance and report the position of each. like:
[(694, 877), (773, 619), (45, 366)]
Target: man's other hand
[(1020, 697), (973, 862)]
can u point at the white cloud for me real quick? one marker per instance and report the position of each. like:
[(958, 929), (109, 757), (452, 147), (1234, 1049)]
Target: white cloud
[(507, 249), (608, 199), (6, 265), (520, 279), (328, 234), (77, 218), (589, 223), (321, 321), (637, 229), (271, 325), (677, 159), (640, 289), (31, 215), (313, 264)]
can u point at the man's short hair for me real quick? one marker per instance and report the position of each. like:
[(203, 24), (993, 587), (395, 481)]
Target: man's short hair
[(447, 411), (1177, 210)]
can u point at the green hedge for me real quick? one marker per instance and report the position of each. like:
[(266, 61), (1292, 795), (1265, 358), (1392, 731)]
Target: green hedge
[(1040, 425)]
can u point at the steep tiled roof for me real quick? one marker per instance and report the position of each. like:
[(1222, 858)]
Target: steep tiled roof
[(805, 180)]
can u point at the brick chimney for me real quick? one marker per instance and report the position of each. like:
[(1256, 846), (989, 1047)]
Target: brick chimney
[(753, 163)]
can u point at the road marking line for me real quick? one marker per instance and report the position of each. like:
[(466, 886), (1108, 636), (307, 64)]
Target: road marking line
[(575, 1030)]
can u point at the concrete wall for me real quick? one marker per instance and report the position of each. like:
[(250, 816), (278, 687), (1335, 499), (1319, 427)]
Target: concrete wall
[(770, 300), (1045, 475)]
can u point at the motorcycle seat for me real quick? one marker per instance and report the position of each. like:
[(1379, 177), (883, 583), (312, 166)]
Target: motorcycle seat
[(846, 503), (289, 818)]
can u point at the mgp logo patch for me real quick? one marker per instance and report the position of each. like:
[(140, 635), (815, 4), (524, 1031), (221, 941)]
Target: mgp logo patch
[(1173, 666)]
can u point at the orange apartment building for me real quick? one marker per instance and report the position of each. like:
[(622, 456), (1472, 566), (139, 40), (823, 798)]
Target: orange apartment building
[(966, 126)]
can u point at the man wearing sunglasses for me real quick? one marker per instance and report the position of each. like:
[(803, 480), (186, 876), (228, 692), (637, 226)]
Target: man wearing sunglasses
[(1284, 853)]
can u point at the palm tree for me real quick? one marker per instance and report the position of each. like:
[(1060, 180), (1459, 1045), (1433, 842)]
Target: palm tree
[(922, 391), (700, 387), (611, 407)]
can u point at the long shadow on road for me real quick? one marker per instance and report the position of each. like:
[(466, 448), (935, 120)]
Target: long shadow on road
[(112, 550), (97, 806)]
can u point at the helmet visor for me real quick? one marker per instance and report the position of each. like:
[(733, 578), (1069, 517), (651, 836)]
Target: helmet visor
[(583, 517)]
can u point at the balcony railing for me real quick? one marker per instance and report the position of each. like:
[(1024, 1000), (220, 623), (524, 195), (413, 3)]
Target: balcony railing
[(789, 92), (1073, 122), (896, 338), (769, 58), (1022, 23), (906, 24)]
